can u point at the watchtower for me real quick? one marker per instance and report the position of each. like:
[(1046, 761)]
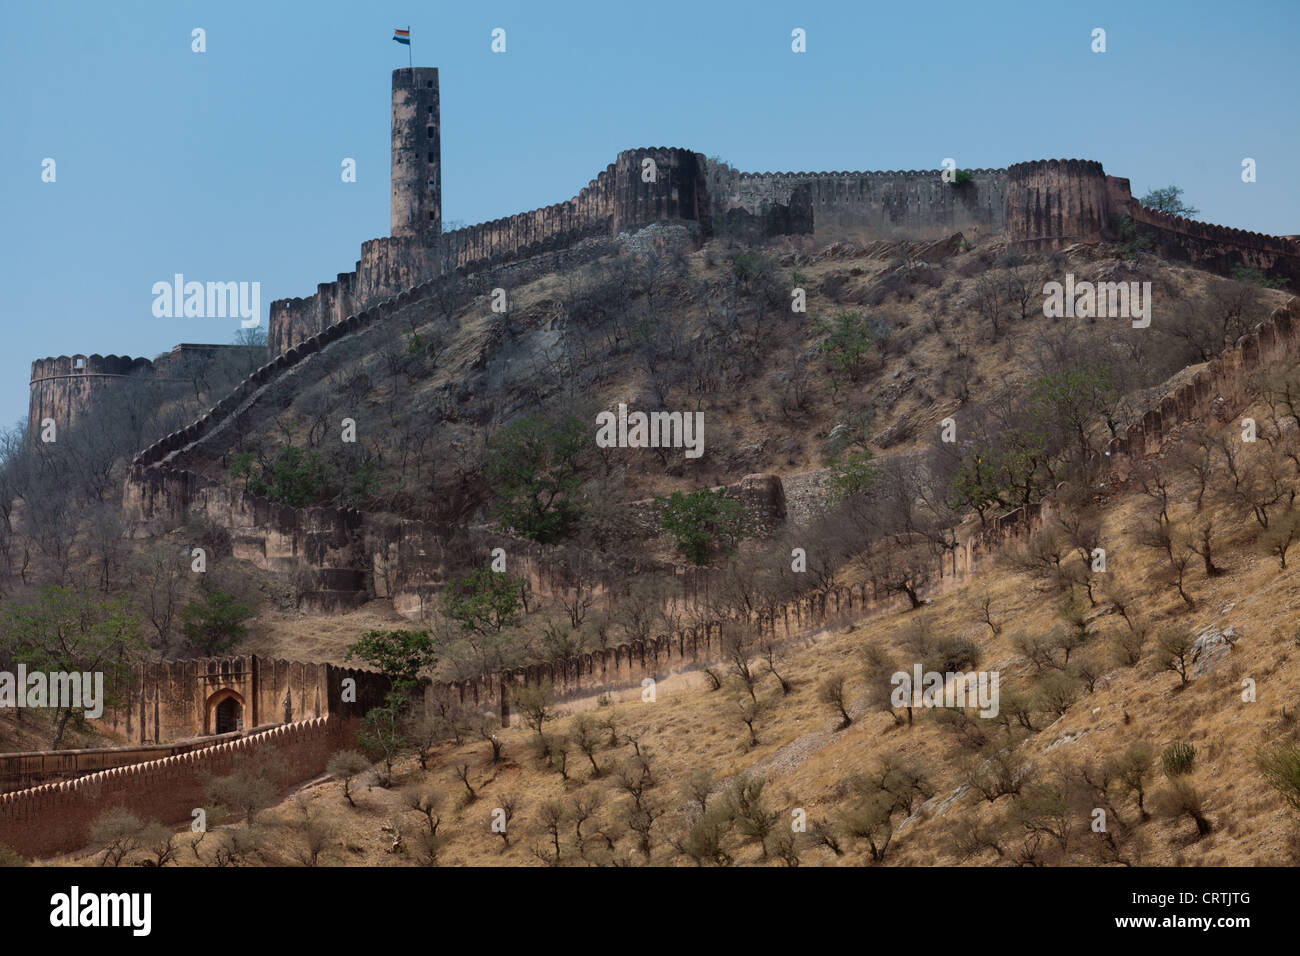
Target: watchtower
[(416, 193)]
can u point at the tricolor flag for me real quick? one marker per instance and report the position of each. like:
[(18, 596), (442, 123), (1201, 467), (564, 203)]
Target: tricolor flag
[(402, 36)]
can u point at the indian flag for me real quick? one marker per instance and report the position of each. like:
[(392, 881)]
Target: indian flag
[(402, 36)]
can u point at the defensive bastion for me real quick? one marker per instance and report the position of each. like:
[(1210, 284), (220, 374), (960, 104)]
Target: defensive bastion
[(1039, 205)]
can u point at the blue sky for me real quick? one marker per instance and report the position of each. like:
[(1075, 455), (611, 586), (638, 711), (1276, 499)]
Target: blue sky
[(225, 165)]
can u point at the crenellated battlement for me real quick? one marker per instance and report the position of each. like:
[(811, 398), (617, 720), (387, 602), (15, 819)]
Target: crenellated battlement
[(65, 387), (1042, 204)]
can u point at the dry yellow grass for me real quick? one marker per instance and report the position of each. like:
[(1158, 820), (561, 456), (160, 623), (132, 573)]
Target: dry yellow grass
[(804, 758)]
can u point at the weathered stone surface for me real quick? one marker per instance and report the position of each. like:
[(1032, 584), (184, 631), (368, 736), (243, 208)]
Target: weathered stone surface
[(1210, 650)]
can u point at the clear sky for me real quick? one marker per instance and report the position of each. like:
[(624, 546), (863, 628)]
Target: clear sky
[(225, 165)]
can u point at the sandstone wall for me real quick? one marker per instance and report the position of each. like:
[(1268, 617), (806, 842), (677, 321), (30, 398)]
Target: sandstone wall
[(354, 556), (627, 665), (915, 204), (1220, 389), (56, 818), (173, 700), (1044, 205), (20, 771), (66, 387), (1218, 248), (64, 390), (618, 199), (1052, 203)]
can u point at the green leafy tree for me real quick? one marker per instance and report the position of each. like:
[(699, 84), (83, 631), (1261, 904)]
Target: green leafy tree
[(1255, 276), (852, 475), (214, 621), (1133, 244), (244, 468), (1019, 462), (975, 483), (535, 465), (748, 266), (296, 478), (1071, 400), (74, 631), (399, 654), (360, 481), (702, 523), (484, 602), (1170, 200), (849, 344), (383, 735)]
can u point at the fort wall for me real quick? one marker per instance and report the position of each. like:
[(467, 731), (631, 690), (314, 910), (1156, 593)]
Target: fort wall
[(66, 387), (1053, 203), (618, 199), (1203, 244), (1219, 390), (1039, 205), (56, 818), (177, 699), (20, 771), (915, 204)]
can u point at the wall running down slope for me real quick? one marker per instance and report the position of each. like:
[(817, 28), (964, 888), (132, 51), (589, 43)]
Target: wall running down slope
[(56, 818)]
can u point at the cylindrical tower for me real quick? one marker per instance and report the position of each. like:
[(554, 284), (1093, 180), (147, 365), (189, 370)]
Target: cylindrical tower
[(1052, 203), (415, 210), (660, 183)]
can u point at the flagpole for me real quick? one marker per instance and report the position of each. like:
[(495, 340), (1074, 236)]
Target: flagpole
[(409, 61)]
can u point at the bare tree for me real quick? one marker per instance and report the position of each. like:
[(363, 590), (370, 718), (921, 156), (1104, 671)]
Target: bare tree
[(832, 693)]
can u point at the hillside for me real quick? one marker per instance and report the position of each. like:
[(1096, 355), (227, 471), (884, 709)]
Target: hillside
[(660, 325), (808, 763), (1102, 671)]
